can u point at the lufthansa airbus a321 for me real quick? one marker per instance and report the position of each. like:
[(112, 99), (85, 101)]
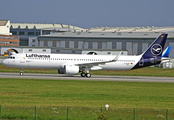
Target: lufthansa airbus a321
[(73, 63)]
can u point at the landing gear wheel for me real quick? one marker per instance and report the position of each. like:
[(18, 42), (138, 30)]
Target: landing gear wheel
[(21, 73), (88, 75), (83, 74)]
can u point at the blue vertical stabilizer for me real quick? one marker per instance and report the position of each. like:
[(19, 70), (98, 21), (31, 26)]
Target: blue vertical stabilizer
[(166, 52), (153, 54), (156, 48)]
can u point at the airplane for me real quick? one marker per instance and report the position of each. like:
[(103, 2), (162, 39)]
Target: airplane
[(166, 52), (165, 55), (74, 64)]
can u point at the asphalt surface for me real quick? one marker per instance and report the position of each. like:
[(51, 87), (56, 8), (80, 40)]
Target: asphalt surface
[(93, 77)]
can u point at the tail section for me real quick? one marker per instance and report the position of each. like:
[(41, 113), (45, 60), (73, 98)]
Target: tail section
[(156, 48), (166, 52), (153, 54)]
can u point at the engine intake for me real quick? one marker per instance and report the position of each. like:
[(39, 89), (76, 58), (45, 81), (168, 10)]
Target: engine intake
[(69, 69)]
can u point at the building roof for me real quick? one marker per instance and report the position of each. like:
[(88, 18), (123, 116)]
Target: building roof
[(3, 22), (98, 32), (109, 34), (40, 26), (117, 32), (132, 29)]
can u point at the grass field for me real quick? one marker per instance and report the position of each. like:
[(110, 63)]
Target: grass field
[(21, 92), (85, 98)]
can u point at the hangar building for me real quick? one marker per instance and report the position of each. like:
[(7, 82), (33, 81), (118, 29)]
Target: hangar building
[(58, 37), (134, 40), (26, 30)]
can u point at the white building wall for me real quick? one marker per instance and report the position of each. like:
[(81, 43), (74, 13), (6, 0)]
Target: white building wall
[(5, 30), (36, 50), (105, 52)]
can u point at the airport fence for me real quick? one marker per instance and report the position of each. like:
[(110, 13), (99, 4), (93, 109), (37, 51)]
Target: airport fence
[(83, 113)]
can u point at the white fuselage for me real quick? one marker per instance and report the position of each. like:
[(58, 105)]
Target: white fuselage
[(57, 61)]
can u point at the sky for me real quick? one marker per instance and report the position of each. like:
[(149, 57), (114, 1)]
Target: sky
[(90, 13)]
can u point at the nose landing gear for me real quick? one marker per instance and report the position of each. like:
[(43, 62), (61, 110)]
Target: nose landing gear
[(21, 73)]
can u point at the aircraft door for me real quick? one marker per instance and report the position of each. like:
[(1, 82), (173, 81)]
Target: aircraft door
[(22, 58)]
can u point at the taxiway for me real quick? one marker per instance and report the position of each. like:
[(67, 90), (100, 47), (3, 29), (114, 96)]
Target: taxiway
[(93, 78)]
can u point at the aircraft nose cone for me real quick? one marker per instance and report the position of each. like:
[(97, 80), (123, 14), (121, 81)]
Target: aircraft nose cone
[(4, 62)]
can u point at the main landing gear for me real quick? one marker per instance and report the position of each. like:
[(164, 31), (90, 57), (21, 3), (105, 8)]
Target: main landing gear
[(85, 74), (21, 73)]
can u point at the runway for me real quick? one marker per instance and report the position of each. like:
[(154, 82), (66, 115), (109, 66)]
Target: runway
[(93, 78)]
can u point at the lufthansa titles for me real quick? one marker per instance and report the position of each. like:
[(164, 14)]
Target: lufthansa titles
[(39, 56)]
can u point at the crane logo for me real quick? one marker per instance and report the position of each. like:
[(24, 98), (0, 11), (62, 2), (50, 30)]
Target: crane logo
[(156, 49)]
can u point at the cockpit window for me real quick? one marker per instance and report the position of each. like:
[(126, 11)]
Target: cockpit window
[(11, 57)]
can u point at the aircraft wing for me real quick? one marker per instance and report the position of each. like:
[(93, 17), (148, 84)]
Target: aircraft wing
[(92, 64)]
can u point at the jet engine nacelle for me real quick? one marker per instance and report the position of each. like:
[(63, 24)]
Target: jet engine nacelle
[(69, 69)]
